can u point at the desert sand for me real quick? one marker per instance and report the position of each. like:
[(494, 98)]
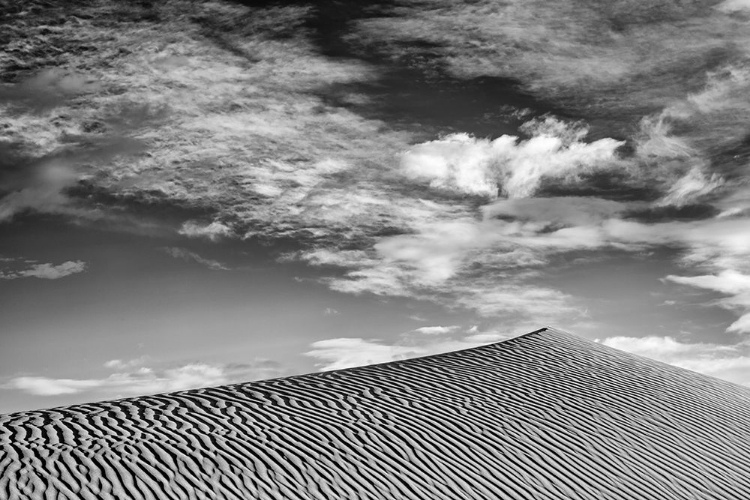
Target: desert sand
[(546, 415)]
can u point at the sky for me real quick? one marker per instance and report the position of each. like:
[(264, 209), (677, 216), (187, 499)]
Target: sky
[(195, 193)]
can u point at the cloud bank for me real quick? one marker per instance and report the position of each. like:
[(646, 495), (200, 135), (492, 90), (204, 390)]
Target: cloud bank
[(140, 380), (722, 361), (340, 353)]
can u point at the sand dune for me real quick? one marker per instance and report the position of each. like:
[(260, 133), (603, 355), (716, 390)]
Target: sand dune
[(543, 416)]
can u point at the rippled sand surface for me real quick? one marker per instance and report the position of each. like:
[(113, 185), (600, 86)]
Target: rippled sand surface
[(543, 416)]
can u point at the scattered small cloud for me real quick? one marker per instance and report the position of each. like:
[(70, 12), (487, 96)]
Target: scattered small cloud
[(329, 311)]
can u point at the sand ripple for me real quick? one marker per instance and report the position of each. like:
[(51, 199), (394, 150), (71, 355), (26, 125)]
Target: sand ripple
[(543, 416)]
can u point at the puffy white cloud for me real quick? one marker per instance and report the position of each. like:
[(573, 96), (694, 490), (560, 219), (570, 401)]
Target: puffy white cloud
[(515, 168), (726, 362), (46, 271)]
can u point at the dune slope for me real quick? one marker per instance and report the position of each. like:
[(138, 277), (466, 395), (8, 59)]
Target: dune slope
[(543, 416)]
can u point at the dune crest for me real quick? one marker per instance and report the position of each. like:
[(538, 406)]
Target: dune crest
[(543, 416)]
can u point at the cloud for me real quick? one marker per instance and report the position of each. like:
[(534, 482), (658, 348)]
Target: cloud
[(41, 190), (329, 311), (726, 362), (47, 89), (214, 231), (436, 330), (260, 148), (734, 5), (616, 61), (544, 305), (188, 256), (250, 135), (691, 187), (482, 265), (46, 271), (336, 354), (729, 282), (119, 364), (557, 211), (42, 386), (555, 152), (40, 183), (340, 353), (144, 380)]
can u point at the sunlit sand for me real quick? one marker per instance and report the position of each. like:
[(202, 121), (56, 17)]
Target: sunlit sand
[(545, 415)]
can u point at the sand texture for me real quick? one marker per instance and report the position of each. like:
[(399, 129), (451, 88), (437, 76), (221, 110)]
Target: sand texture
[(543, 416)]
